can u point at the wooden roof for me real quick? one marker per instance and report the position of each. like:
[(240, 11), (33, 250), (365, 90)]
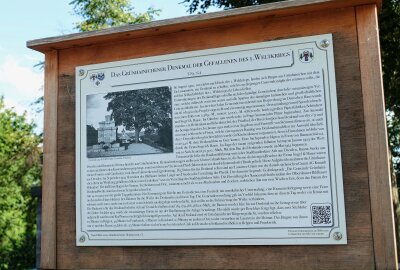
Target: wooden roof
[(285, 8)]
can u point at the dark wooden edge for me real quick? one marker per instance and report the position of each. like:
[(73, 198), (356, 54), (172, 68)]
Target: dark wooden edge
[(48, 241), (376, 138), (284, 8)]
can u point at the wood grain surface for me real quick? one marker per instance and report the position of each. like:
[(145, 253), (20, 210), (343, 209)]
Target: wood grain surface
[(49, 198), (357, 254), (376, 138)]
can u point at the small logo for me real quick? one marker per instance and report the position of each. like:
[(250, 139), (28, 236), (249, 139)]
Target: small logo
[(97, 78), (306, 55)]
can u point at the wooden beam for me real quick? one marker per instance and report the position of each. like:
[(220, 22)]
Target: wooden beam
[(376, 138), (278, 9), (48, 244)]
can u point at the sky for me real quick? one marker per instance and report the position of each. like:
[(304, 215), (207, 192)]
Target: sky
[(96, 109), (22, 20)]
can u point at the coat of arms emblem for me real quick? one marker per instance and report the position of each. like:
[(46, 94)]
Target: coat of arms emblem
[(306, 55), (96, 78)]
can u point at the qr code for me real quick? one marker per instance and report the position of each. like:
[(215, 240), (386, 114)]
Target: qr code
[(321, 214)]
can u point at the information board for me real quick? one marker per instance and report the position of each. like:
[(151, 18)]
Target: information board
[(228, 146)]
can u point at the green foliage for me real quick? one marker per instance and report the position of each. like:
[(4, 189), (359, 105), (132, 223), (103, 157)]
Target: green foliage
[(100, 14), (202, 5), (389, 24), (19, 171), (141, 108)]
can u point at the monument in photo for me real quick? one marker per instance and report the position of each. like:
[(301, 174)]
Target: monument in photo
[(133, 122)]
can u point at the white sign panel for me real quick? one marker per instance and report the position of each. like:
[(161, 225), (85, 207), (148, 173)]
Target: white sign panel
[(230, 146)]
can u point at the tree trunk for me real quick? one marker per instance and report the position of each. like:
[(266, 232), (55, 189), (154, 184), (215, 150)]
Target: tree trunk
[(137, 131)]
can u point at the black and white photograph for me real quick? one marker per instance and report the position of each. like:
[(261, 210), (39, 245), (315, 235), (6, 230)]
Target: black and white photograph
[(134, 122)]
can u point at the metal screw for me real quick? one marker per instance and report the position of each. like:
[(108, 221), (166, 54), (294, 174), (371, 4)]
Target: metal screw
[(337, 236), (324, 43), (82, 239), (81, 72)]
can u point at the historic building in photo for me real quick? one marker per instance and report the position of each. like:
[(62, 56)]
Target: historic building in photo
[(107, 131)]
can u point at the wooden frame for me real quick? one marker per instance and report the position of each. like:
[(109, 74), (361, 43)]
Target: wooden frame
[(375, 130), (49, 198), (362, 122)]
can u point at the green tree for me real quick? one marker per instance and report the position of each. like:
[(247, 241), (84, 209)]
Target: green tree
[(143, 108), (19, 171), (389, 24), (100, 14), (201, 6)]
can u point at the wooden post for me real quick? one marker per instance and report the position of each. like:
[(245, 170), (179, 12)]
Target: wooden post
[(376, 137), (49, 199)]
